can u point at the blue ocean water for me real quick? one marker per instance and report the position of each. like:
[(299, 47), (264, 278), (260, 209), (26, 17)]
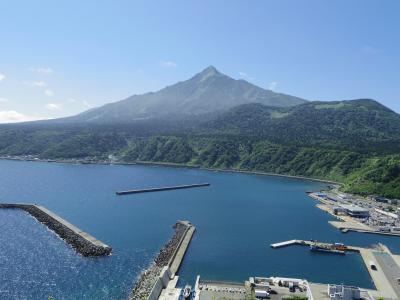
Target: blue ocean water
[(237, 218)]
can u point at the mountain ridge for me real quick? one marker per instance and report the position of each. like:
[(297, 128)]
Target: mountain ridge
[(207, 92), (356, 142)]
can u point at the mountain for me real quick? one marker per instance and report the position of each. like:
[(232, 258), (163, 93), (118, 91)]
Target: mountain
[(208, 92), (214, 121), (363, 124)]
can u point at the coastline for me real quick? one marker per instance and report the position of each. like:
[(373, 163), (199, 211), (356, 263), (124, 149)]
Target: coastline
[(169, 164)]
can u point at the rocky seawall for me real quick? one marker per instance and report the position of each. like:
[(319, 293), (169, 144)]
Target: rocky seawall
[(148, 278), (82, 242)]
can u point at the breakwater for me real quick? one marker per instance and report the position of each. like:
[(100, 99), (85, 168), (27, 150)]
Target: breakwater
[(81, 241), (159, 189), (165, 265)]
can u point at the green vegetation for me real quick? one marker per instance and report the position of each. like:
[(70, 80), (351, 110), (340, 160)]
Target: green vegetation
[(357, 143)]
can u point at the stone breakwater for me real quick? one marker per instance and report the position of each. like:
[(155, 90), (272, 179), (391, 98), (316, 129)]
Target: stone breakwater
[(165, 257), (82, 242)]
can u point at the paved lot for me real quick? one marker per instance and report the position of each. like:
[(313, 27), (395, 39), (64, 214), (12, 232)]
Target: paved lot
[(214, 292), (390, 268)]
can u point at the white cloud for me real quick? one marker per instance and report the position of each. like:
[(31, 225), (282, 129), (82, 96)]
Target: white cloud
[(2, 77), (40, 84), (168, 64), (53, 106), (2, 100), (246, 76), (49, 93), (12, 116), (43, 70), (85, 103), (272, 85)]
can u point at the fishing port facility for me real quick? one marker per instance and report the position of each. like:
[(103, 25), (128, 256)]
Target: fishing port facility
[(369, 215)]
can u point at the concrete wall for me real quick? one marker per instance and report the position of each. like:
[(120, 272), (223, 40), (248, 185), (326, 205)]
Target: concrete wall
[(156, 291), (82, 242), (161, 283), (309, 293)]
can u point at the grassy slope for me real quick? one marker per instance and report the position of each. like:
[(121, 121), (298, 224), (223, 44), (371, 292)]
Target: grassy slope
[(360, 173)]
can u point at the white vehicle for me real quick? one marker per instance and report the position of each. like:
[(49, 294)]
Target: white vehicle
[(261, 294)]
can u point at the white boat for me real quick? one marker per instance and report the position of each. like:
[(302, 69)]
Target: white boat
[(187, 291)]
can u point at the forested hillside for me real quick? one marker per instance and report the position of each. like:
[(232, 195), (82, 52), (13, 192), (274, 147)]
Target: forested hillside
[(354, 142), (360, 172)]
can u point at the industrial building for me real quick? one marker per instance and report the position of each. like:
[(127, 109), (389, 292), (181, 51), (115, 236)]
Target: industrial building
[(338, 210), (355, 211)]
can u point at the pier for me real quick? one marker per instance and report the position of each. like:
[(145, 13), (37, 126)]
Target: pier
[(159, 189), (161, 274), (309, 243), (285, 244), (81, 241), (387, 266)]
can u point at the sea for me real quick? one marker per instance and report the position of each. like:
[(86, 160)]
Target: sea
[(237, 218)]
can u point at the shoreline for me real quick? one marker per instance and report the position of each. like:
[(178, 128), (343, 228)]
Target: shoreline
[(173, 165)]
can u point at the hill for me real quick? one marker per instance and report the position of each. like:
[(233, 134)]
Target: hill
[(363, 125)]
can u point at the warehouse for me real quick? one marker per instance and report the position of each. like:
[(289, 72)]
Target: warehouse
[(356, 211)]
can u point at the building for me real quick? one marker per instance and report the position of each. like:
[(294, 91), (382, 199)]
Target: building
[(338, 210), (356, 211), (342, 292), (387, 214)]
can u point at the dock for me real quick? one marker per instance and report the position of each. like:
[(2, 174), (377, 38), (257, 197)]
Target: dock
[(159, 189), (387, 272), (285, 244), (81, 241), (161, 274), (309, 243), (346, 223)]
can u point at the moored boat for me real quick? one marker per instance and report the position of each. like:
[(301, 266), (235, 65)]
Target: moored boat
[(187, 291), (327, 248)]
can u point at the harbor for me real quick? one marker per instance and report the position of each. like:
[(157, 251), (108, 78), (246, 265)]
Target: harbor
[(382, 265), (81, 241), (160, 189), (356, 215), (230, 243)]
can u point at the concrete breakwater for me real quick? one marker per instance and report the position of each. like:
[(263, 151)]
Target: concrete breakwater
[(159, 189), (165, 264), (81, 241)]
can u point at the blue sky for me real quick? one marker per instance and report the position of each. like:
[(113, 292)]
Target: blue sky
[(59, 58)]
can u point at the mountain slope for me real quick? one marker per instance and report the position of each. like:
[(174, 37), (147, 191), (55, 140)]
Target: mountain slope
[(207, 92), (363, 125)]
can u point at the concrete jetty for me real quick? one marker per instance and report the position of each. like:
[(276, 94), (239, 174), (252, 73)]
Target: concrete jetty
[(286, 243), (81, 241), (161, 273), (309, 243), (159, 189)]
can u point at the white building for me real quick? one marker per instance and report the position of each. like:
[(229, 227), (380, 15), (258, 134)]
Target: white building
[(342, 292)]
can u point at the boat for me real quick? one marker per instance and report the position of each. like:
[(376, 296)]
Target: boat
[(327, 248), (187, 291)]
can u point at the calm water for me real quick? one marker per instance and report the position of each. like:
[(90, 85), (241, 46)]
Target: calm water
[(237, 218)]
